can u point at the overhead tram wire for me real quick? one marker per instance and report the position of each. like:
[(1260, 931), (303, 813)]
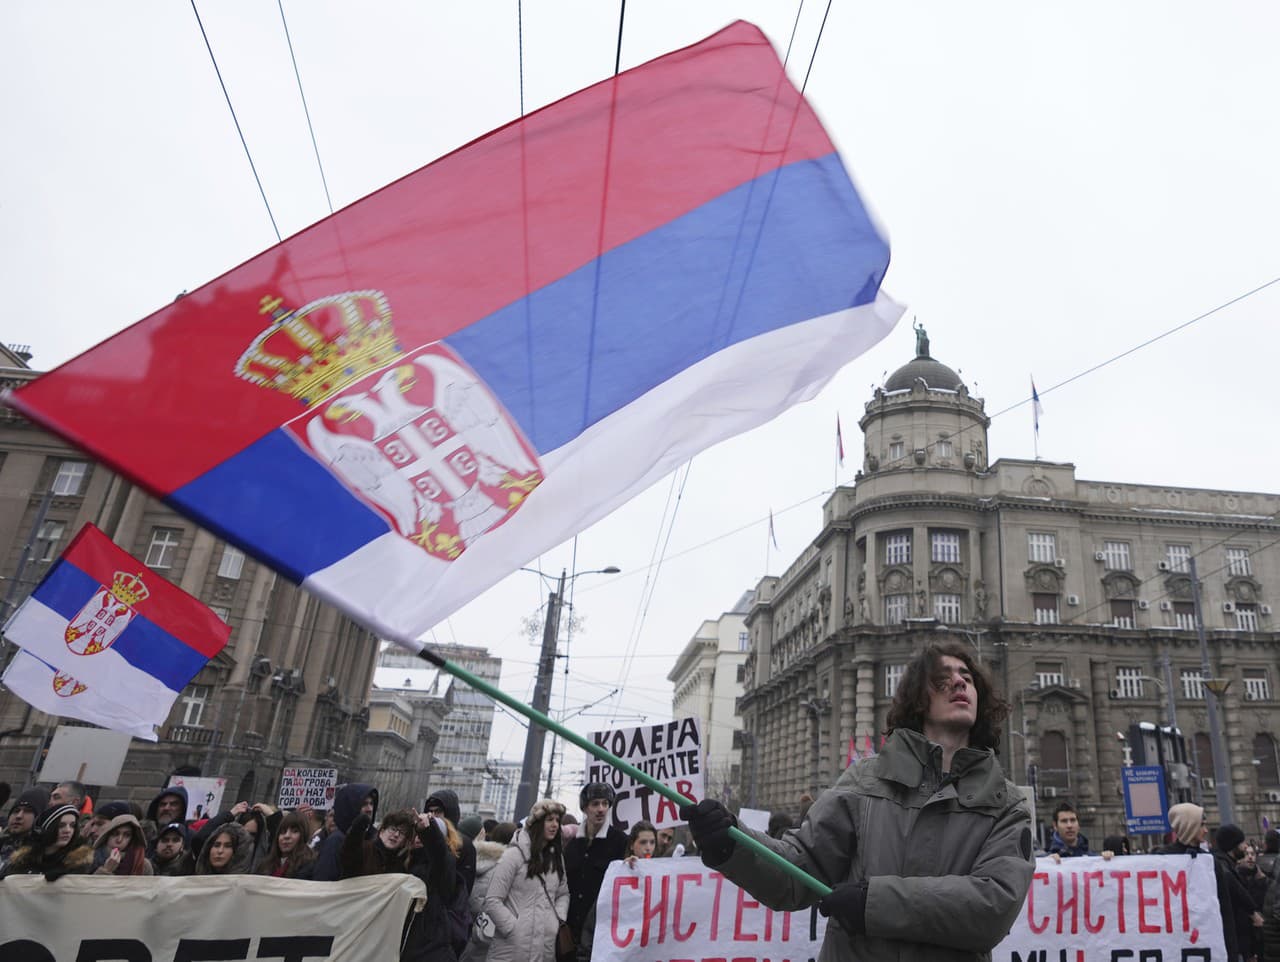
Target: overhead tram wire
[(236, 121), (305, 109)]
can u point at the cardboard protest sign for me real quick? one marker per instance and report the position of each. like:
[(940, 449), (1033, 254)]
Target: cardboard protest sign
[(669, 909), (670, 753), (307, 786), (204, 795), (205, 917), (1147, 908)]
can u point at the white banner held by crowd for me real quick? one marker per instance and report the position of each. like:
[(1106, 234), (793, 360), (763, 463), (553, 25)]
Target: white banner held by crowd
[(206, 917), (670, 753), (307, 786), (668, 909), (1146, 908)]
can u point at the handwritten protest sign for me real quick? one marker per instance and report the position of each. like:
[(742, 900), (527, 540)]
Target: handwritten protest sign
[(307, 786), (670, 753), (204, 795), (1144, 908), (678, 910)]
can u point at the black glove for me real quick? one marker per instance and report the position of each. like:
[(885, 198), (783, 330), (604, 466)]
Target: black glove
[(709, 824), (847, 904)]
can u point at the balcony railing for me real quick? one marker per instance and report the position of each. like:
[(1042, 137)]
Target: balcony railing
[(190, 734)]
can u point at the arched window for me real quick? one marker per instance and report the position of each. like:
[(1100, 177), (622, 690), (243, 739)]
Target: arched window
[(1204, 755), (1264, 758), (1055, 769)]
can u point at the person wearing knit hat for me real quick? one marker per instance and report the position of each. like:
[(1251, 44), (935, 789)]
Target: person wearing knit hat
[(1230, 841), (1186, 819), (528, 893), (55, 849), (1229, 848), (22, 822), (472, 827), (102, 816), (587, 856)]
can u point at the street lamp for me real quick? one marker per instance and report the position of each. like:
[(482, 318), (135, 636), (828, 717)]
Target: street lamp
[(531, 768)]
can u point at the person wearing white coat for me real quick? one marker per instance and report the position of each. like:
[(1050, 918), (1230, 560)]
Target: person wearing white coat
[(528, 894)]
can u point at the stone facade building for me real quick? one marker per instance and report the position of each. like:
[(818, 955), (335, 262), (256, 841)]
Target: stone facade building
[(1076, 593), (708, 676), (290, 688)]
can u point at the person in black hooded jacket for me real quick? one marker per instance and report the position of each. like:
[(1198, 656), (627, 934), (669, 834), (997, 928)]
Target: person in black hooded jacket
[(348, 802), (445, 803)]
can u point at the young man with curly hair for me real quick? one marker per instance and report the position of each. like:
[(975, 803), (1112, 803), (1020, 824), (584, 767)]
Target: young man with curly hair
[(926, 846)]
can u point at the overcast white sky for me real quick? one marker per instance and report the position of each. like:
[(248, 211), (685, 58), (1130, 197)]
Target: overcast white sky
[(1059, 182)]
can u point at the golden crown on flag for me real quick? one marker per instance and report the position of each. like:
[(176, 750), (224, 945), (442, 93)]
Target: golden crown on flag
[(314, 352), (128, 589)]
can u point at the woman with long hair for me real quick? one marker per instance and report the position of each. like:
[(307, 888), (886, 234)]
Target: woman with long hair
[(55, 848), (290, 856), (229, 851), (528, 895), (121, 849)]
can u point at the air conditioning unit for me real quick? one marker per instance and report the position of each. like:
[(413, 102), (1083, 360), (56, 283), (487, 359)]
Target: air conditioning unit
[(1166, 606), (1074, 683), (1073, 600), (1099, 556), (1035, 683), (261, 667), (1272, 796), (1264, 609), (1162, 566), (1208, 784), (1228, 606), (1049, 791), (1116, 693), (1143, 604), (1059, 562)]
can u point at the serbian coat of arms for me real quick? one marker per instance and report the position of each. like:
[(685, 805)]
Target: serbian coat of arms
[(100, 622)]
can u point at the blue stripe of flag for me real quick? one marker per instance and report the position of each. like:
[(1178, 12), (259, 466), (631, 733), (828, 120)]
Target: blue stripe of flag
[(143, 644)]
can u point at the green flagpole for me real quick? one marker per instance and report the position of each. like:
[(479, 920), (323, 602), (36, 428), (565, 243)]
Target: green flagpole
[(536, 717)]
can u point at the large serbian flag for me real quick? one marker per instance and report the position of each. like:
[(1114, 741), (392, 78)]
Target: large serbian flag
[(109, 628), (410, 399)]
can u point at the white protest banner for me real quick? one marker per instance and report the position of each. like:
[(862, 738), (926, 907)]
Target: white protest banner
[(670, 753), (204, 795), (678, 910), (756, 818), (307, 786), (102, 917), (1143, 908)]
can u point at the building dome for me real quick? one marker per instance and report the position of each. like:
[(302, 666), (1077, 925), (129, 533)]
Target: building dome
[(935, 374)]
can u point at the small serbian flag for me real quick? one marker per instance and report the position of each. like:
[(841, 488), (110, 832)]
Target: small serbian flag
[(839, 442), (46, 689), (412, 398), (104, 620)]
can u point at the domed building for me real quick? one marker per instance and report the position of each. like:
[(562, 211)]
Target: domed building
[(1076, 594)]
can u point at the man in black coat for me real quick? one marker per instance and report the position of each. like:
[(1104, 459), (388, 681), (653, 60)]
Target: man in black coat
[(587, 855)]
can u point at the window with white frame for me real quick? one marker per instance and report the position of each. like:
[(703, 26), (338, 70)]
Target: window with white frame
[(896, 608), (943, 448), (164, 547), (1184, 615), (1257, 685), (232, 563), (1238, 562), (1192, 684), (1178, 557), (193, 701), (945, 546), (48, 538), (1129, 682), (897, 548), (897, 450), (1044, 607), (892, 675), (69, 478), (744, 641), (221, 611), (1122, 614), (1049, 673), (946, 608), (1115, 556), (1042, 547), (1246, 617)]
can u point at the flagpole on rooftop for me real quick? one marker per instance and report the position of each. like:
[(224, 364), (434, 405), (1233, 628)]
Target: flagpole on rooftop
[(591, 748)]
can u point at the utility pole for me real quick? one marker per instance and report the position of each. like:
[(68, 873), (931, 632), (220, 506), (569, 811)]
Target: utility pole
[(1217, 688), (531, 769)]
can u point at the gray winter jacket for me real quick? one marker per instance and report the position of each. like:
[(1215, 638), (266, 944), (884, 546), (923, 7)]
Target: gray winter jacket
[(522, 910), (948, 864)]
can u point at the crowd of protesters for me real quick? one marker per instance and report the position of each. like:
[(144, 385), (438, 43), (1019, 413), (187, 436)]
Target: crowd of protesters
[(494, 889), (501, 891)]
